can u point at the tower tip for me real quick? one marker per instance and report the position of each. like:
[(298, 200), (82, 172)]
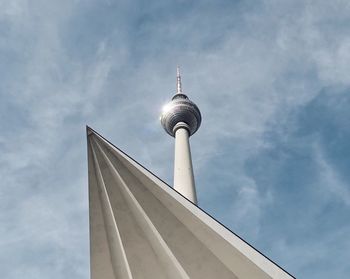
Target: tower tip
[(178, 81)]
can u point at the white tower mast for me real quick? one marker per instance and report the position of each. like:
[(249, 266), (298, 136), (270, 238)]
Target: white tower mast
[(181, 118)]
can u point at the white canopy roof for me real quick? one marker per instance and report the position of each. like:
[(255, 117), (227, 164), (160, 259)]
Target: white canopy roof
[(140, 227)]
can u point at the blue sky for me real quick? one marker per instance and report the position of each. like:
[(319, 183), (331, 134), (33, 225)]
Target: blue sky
[(272, 155)]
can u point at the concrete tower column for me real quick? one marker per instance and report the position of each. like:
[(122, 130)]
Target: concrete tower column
[(181, 118), (183, 170)]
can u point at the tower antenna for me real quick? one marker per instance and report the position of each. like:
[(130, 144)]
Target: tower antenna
[(178, 81)]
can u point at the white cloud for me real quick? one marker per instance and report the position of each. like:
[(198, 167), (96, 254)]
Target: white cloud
[(329, 179)]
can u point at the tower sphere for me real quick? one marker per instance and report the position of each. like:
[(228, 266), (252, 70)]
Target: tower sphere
[(180, 109)]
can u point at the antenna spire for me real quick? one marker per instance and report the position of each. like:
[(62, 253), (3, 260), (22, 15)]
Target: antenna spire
[(178, 81)]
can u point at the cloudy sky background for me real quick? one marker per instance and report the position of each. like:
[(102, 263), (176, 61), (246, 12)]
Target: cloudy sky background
[(272, 80)]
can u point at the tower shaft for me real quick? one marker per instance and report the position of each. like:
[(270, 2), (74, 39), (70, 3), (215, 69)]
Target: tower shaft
[(183, 170)]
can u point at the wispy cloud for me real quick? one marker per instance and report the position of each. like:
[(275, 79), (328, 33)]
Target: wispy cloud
[(329, 179)]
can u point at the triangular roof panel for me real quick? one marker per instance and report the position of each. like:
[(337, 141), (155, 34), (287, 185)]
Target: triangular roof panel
[(140, 227)]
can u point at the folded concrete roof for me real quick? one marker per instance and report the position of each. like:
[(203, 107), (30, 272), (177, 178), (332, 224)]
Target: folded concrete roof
[(140, 227)]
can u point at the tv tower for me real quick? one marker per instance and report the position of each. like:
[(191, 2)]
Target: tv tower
[(181, 118)]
